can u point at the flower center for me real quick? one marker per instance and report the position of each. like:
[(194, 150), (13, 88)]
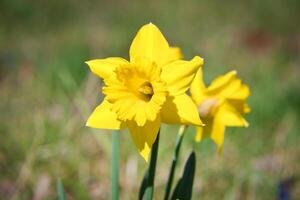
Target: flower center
[(146, 90), (136, 92), (207, 107), (136, 81)]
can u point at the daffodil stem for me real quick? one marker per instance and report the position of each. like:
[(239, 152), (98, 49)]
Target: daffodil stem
[(179, 139), (60, 189), (151, 170), (115, 166)]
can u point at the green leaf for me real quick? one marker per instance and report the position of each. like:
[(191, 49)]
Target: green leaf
[(60, 189), (184, 187), (143, 186), (176, 190)]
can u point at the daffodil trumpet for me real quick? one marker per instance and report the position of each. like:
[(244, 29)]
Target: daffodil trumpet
[(147, 90)]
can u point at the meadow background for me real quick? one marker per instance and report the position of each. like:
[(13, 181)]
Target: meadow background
[(47, 93)]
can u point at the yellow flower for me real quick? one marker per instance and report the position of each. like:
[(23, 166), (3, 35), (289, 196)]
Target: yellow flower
[(220, 104), (147, 90)]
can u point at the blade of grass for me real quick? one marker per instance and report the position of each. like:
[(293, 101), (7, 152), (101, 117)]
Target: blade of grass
[(151, 171), (115, 166), (179, 139), (60, 189)]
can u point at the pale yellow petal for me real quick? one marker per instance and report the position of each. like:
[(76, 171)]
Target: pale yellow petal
[(217, 132), (144, 136), (230, 116), (239, 105), (149, 44), (229, 86), (230, 89), (197, 88), (179, 74), (242, 92), (104, 68), (180, 110), (246, 108), (104, 118), (204, 131), (175, 54), (199, 133), (220, 81)]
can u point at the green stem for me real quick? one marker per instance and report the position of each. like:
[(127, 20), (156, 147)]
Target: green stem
[(60, 189), (151, 171), (179, 139), (115, 166)]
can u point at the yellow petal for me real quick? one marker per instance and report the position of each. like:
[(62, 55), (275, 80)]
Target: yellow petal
[(217, 132), (246, 108), (149, 44), (104, 118), (239, 105), (199, 133), (229, 86), (230, 89), (204, 131), (179, 74), (214, 128), (222, 80), (180, 110), (175, 54), (104, 68), (197, 88), (242, 93), (230, 116), (144, 136)]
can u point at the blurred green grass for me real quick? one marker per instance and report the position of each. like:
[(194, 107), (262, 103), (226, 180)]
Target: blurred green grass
[(47, 93)]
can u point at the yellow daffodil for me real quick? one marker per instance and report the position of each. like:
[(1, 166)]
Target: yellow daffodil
[(220, 104), (147, 90)]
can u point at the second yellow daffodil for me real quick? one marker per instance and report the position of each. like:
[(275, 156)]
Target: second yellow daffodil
[(149, 89), (220, 104)]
